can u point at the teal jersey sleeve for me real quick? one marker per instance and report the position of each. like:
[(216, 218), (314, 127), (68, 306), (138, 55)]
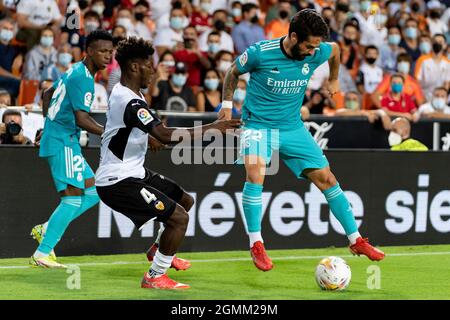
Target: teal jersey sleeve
[(248, 60), (324, 52), (81, 93)]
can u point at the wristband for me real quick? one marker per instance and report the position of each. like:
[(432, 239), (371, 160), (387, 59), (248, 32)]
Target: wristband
[(227, 104)]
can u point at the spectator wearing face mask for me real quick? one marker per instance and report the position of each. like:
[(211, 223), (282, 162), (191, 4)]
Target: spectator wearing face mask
[(390, 51), (219, 20), (437, 108), (175, 94), (40, 57), (169, 38), (236, 11), (434, 22), (164, 69), (399, 138), (77, 38), (410, 41), (352, 108), (35, 16), (248, 31), (141, 25), (10, 58), (195, 60), (328, 16), (424, 45), (280, 26), (213, 47), (224, 60), (433, 70), (396, 102), (411, 86), (369, 76), (417, 14), (209, 98), (350, 49), (64, 60)]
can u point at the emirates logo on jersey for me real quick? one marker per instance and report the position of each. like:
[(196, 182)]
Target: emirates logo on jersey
[(305, 69)]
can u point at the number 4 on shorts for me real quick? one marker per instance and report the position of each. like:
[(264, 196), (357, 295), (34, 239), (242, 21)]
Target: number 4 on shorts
[(147, 195)]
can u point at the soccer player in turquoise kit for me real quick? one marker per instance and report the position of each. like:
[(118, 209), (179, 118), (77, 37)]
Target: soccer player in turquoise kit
[(279, 73), (69, 102)]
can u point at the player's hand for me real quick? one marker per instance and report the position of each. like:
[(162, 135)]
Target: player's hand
[(224, 114), (333, 88), (2, 128), (155, 145), (224, 125), (37, 140)]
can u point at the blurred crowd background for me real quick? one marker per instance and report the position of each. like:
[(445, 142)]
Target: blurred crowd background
[(395, 55)]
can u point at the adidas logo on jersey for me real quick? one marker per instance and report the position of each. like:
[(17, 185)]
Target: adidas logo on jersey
[(275, 70)]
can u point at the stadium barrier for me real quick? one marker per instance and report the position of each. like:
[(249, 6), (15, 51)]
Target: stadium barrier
[(329, 132), (398, 198)]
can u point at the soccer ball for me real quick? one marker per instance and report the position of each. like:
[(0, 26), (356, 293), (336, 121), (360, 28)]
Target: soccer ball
[(333, 273)]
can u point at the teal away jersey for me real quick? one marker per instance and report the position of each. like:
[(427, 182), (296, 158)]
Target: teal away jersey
[(277, 84), (74, 91)]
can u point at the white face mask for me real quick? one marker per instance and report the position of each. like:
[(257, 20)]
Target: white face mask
[(438, 103), (125, 22), (394, 138), (224, 65)]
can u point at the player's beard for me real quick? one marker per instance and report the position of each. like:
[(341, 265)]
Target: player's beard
[(295, 51)]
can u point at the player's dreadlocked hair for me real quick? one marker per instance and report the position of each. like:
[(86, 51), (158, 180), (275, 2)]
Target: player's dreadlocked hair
[(308, 22), (133, 48), (98, 34)]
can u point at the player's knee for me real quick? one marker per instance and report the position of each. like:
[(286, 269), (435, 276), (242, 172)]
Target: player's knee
[(327, 180), (254, 175), (180, 217), (187, 201)]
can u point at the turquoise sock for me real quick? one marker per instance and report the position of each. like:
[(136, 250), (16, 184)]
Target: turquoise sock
[(252, 204), (59, 221), (341, 209), (89, 199)]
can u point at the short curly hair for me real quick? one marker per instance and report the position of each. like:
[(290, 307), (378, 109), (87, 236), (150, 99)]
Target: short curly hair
[(308, 22), (133, 48)]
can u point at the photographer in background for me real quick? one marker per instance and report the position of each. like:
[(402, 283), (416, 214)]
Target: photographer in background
[(11, 131)]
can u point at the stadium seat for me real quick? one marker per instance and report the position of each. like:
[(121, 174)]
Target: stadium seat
[(27, 91)]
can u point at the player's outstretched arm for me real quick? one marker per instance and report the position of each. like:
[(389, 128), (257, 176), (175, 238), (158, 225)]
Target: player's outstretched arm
[(174, 135), (334, 62), (86, 122), (229, 85)]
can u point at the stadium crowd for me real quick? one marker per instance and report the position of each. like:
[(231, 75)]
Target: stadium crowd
[(395, 55)]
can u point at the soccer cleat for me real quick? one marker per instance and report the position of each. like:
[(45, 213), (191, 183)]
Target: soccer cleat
[(260, 257), (45, 262), (38, 234), (161, 282), (177, 263), (362, 246)]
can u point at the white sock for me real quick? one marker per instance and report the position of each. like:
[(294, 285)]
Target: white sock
[(255, 236), (352, 237), (160, 231), (160, 264), (37, 254)]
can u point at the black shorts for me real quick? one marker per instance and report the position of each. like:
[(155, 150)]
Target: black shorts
[(141, 200)]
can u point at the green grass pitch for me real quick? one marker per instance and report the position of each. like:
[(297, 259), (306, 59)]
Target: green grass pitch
[(419, 272)]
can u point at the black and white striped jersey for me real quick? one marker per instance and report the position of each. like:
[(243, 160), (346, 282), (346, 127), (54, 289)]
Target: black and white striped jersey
[(125, 140)]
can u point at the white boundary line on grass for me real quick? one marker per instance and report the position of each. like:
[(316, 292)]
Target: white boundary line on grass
[(89, 264)]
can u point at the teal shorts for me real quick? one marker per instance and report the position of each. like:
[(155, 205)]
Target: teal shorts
[(297, 148), (68, 167)]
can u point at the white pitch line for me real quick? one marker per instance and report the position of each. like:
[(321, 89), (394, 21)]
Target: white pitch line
[(89, 264)]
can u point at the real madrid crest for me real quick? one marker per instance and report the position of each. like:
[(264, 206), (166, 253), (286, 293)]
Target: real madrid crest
[(305, 69)]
